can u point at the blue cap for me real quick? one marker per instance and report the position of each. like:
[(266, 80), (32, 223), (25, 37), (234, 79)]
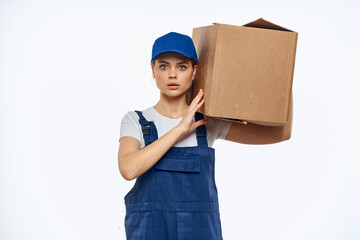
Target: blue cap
[(174, 42)]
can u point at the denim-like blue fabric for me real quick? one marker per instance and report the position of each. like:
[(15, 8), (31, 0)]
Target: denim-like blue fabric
[(176, 199)]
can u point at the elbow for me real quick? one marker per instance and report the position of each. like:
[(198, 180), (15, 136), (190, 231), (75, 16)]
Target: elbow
[(126, 171), (127, 175)]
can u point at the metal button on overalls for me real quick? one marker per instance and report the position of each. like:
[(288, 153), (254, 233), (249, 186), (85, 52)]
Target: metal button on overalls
[(176, 199)]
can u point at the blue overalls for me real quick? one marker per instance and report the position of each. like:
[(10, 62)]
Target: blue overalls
[(176, 199)]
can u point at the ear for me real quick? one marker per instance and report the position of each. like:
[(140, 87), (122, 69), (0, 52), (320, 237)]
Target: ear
[(152, 69), (195, 68)]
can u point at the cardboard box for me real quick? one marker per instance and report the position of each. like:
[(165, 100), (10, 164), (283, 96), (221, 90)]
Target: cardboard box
[(246, 72)]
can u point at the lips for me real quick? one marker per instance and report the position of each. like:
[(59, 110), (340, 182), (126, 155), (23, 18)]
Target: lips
[(173, 86)]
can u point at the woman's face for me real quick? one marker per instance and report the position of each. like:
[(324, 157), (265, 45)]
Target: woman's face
[(173, 73)]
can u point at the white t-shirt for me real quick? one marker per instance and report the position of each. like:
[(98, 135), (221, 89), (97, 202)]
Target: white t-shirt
[(130, 126)]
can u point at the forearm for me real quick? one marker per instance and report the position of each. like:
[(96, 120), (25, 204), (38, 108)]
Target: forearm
[(133, 161), (138, 162)]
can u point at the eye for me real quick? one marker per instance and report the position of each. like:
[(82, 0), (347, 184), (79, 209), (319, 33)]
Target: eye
[(163, 66), (182, 67)]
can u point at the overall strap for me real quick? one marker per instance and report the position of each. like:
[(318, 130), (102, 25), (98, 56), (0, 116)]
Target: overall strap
[(201, 131), (148, 129)]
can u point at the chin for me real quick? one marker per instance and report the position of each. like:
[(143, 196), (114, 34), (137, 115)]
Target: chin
[(174, 93)]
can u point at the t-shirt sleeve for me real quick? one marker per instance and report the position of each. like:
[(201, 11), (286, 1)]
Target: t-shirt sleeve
[(130, 126), (220, 127), (224, 127)]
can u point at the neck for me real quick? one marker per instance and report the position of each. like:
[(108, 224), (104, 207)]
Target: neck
[(172, 107)]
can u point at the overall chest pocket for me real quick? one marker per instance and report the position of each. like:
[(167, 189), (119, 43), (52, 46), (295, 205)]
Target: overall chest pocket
[(177, 178), (179, 164)]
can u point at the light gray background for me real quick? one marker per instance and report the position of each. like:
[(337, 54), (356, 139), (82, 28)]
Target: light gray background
[(70, 70)]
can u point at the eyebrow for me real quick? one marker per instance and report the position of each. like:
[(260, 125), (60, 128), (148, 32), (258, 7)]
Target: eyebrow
[(183, 62)]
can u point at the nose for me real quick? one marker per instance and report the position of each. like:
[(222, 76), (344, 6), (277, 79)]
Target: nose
[(172, 73)]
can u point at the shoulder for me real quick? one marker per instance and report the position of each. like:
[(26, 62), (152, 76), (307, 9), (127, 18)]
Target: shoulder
[(133, 116), (130, 116), (130, 125)]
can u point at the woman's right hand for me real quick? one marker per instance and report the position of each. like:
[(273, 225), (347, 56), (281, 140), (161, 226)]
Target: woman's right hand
[(133, 161), (187, 124)]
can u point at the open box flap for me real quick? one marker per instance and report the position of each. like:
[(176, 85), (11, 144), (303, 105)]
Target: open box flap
[(262, 23)]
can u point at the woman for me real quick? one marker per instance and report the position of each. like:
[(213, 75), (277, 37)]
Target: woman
[(171, 154)]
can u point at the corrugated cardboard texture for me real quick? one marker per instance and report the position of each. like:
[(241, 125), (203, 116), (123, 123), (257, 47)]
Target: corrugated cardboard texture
[(207, 40), (246, 71)]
